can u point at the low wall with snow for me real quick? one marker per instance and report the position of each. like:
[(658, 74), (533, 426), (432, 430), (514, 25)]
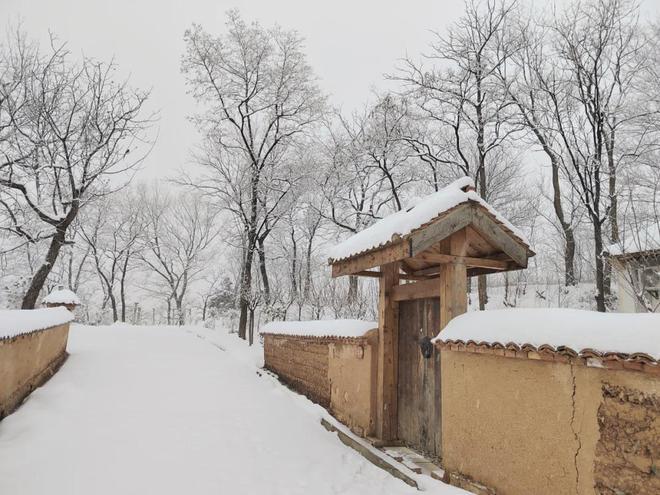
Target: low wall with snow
[(547, 402), (332, 362), (32, 348)]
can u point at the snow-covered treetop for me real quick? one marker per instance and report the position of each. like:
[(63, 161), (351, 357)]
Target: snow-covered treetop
[(415, 216), (626, 333), (61, 296), (319, 328), (15, 322)]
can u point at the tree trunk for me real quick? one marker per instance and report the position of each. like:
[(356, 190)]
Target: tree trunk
[(251, 328), (181, 318), (263, 270), (612, 183), (39, 279), (246, 275), (294, 266), (566, 227), (482, 281), (613, 213), (600, 271), (481, 170), (113, 305), (245, 290), (122, 288), (308, 268)]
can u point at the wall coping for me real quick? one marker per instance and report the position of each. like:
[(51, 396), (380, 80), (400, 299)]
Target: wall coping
[(15, 322), (14, 338), (365, 339), (638, 361)]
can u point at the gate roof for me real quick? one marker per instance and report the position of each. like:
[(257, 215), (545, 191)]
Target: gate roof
[(417, 237)]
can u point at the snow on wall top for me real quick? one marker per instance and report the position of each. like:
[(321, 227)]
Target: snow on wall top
[(319, 328), (15, 322), (61, 296), (407, 220), (647, 239), (579, 330)]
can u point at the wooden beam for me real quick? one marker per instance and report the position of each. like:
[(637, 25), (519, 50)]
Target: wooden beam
[(443, 228), (474, 272), (403, 276), (414, 276), (494, 234), (388, 350), (379, 257), (418, 290), (368, 273), (405, 267), (467, 260)]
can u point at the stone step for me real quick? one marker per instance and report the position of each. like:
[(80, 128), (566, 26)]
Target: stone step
[(371, 453)]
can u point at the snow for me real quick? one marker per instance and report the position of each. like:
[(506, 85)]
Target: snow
[(604, 332), (168, 410), (319, 328), (405, 221), (61, 296), (15, 322), (647, 239)]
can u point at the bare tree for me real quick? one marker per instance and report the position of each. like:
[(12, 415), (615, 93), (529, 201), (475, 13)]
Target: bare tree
[(261, 95), (73, 127), (354, 194), (536, 90), (177, 234), (464, 95), (599, 56), (381, 139), (111, 232)]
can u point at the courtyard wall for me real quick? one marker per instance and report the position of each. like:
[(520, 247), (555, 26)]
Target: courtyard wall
[(27, 360)]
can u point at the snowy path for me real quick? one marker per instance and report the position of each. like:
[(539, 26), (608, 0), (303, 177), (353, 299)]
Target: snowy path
[(155, 410)]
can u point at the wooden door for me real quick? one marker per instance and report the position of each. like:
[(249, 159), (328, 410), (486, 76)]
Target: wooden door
[(419, 412)]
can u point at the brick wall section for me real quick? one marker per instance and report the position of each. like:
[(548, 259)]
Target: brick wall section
[(628, 450), (302, 364)]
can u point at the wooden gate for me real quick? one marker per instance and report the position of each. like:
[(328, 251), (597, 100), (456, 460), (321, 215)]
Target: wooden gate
[(419, 411)]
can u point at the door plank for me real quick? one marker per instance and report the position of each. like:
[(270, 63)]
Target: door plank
[(419, 395)]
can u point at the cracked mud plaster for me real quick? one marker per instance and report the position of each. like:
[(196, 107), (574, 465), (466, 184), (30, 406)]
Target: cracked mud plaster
[(628, 452), (575, 432)]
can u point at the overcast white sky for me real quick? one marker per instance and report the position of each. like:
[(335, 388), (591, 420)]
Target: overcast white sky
[(350, 44)]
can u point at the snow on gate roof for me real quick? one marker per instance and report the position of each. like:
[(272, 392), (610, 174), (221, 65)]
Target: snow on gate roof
[(319, 328), (573, 331), (423, 211)]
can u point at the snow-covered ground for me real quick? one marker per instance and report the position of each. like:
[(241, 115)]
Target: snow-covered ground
[(162, 410)]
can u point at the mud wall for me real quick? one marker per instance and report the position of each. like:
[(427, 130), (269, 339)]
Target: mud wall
[(337, 373), (521, 426), (301, 363), (27, 361)]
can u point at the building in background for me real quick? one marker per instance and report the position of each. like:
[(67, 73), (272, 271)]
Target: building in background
[(636, 271)]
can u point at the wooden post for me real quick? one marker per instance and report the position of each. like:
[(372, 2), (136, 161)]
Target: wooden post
[(453, 276), (388, 337)]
